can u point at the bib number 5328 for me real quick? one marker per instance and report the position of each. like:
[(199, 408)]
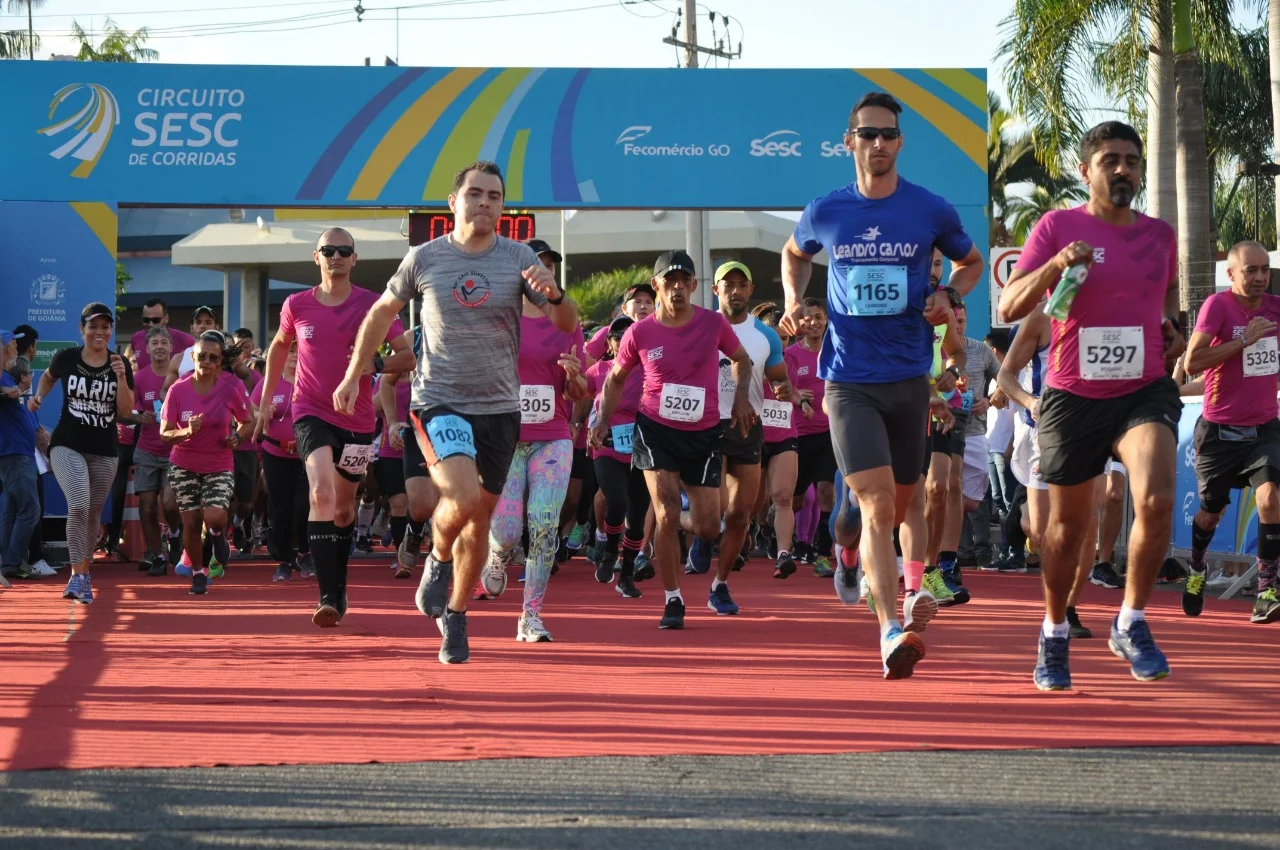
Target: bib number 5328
[(1262, 358)]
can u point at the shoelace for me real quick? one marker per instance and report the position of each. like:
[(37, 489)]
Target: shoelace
[(1140, 636), (1055, 651), (721, 593), (1195, 584), (455, 627)]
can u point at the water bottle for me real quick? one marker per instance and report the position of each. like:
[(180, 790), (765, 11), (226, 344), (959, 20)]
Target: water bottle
[(1068, 285)]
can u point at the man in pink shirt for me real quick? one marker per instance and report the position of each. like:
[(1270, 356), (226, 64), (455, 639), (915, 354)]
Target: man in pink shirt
[(155, 314), (678, 436), (1107, 391), (151, 455), (1237, 438)]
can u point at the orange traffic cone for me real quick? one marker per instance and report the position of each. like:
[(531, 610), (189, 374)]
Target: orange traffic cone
[(132, 544)]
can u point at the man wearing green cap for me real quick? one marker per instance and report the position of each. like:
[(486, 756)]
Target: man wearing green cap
[(741, 454)]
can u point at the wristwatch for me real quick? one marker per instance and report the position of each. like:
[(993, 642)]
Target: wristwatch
[(955, 371), (556, 302), (377, 364)]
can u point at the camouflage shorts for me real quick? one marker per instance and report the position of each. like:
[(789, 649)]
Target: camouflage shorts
[(194, 490)]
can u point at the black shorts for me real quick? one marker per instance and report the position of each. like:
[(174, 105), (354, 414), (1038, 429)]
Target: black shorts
[(312, 433), (741, 450), (876, 425), (413, 464), (949, 442), (1077, 434), (582, 468), (246, 463), (389, 472), (693, 454), (816, 462), (493, 442), (772, 450), (1223, 465)]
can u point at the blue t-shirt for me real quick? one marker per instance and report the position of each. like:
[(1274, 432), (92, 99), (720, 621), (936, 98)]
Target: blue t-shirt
[(17, 426), (880, 251)]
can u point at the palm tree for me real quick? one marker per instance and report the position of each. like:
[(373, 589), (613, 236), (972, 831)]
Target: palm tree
[(1011, 159), (597, 296), (1162, 178), (31, 42), (1273, 45), (118, 45), (1195, 185), (13, 43), (1024, 212)]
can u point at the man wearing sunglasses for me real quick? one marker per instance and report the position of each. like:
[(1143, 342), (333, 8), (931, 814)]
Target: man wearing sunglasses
[(334, 445), (182, 362), (877, 353), (155, 314)]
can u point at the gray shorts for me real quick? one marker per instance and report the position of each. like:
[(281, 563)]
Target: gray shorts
[(150, 472), (875, 425)]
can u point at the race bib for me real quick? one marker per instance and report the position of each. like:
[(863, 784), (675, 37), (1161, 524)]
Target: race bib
[(537, 404), (776, 414), (622, 437), (876, 290), (354, 458), (1261, 358), (156, 406), (451, 435), (682, 403), (966, 401), (1111, 354)]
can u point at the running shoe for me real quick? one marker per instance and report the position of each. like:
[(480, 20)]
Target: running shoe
[(672, 615), (174, 545), (1077, 628), (453, 627), (604, 569), (79, 588), (531, 629), (1266, 608), (721, 602), (900, 651), (848, 590), (199, 584), (626, 588), (1193, 594), (306, 565), (822, 567), (216, 569), (517, 556), (221, 552), (326, 615), (1171, 572), (22, 571), (960, 593), (864, 588), (562, 553), (42, 568), (160, 567), (1052, 672), (433, 591), (918, 608), (408, 553), (493, 578), (241, 540), (1219, 579), (933, 581), (1135, 645), (1104, 575), (382, 524), (577, 538), (283, 572), (785, 566), (144, 563), (644, 567), (1014, 563), (342, 605), (738, 563), (183, 567), (699, 560), (364, 546)]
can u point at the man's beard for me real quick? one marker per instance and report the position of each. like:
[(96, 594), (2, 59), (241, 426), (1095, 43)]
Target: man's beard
[(1122, 193)]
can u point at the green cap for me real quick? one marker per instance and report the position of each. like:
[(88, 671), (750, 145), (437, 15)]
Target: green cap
[(730, 266)]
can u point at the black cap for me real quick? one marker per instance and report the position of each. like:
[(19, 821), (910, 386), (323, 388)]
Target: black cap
[(619, 325), (673, 261), (97, 310), (637, 289), (200, 310), (539, 247)]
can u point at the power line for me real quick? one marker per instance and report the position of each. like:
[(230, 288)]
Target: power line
[(344, 3)]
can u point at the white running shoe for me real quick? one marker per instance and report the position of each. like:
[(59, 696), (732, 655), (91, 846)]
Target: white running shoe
[(848, 586), (917, 610), (493, 578), (42, 568), (1220, 578), (531, 629)]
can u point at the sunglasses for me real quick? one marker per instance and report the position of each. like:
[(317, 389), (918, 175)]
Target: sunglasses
[(873, 133), (152, 321), (343, 251), (208, 357)]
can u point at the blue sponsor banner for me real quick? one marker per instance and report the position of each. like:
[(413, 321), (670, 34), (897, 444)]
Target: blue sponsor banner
[(1237, 533)]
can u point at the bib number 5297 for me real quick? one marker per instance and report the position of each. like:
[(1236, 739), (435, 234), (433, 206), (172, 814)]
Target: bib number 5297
[(1111, 354)]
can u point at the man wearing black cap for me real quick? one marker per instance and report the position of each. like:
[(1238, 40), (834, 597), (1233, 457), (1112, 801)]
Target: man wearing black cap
[(678, 436), (181, 362)]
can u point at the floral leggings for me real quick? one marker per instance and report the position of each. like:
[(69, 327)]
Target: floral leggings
[(543, 470)]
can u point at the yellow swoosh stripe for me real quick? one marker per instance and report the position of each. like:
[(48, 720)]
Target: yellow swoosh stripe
[(967, 136), (962, 83), (463, 144), (85, 168), (515, 165), (101, 219), (409, 129)]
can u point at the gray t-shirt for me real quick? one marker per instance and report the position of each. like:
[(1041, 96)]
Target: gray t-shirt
[(980, 367), (471, 305)]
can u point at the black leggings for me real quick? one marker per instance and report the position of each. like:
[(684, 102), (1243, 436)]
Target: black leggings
[(626, 495), (119, 489), (290, 501)]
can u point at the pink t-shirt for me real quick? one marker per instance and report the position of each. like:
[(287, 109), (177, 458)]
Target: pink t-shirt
[(773, 433), (404, 390), (806, 378), (544, 411), (1117, 314), (681, 369), (225, 403), (255, 381), (598, 345), (1230, 396), (628, 403), (146, 396), (179, 339), (280, 428), (326, 337)]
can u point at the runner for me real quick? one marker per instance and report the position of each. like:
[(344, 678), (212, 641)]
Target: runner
[(286, 476), (466, 391), (151, 454), (421, 492), (389, 470), (155, 314), (550, 383), (881, 231), (637, 304), (182, 361), (1237, 437), (779, 461), (625, 492), (19, 503), (815, 457), (198, 420), (1106, 389), (678, 432), (97, 386), (334, 444)]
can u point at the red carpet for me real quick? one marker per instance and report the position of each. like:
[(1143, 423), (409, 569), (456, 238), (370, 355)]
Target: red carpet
[(149, 676)]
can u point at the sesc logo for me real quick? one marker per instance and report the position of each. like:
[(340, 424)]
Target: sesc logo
[(93, 124), (777, 143), (632, 133), (830, 149)]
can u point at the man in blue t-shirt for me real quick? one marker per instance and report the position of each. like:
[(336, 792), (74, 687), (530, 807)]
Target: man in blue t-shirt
[(877, 355), (19, 507)]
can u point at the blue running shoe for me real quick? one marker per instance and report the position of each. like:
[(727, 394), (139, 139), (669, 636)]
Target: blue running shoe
[(79, 588), (900, 651), (183, 567), (1135, 645), (960, 593), (699, 560), (1052, 672), (721, 602), (433, 589)]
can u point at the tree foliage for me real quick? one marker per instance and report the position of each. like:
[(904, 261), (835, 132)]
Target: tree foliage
[(117, 45), (597, 296)]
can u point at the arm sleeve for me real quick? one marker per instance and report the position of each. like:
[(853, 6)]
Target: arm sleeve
[(286, 317), (726, 340), (166, 409), (952, 239), (628, 352), (805, 236), (405, 283), (239, 401), (58, 363), (775, 344), (396, 329), (1209, 319), (1041, 245), (256, 395)]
